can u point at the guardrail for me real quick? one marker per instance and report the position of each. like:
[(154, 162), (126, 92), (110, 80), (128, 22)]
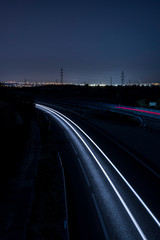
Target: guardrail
[(139, 118)]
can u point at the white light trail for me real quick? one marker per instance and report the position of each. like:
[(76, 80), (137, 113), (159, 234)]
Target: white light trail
[(64, 118), (124, 179)]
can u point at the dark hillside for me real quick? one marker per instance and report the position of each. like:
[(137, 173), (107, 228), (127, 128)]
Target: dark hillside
[(16, 116)]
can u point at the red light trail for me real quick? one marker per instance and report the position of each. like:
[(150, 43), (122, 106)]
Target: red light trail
[(138, 110)]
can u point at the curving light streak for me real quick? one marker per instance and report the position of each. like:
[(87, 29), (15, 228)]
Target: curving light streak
[(116, 169), (64, 118), (138, 110)]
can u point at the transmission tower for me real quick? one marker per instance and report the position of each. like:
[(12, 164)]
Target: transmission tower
[(122, 78), (111, 81), (62, 73)]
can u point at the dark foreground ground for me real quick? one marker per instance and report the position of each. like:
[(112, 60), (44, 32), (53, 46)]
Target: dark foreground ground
[(32, 202)]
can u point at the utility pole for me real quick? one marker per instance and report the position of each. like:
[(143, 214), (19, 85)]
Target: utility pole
[(122, 78), (129, 82), (111, 81), (62, 73)]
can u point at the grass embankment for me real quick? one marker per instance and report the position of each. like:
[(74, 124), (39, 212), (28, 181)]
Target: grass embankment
[(16, 116), (45, 216), (48, 212)]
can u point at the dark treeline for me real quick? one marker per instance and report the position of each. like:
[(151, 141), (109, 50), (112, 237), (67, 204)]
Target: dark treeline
[(124, 95), (16, 114)]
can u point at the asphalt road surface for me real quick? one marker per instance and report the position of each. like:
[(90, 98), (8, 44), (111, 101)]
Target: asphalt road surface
[(110, 195)]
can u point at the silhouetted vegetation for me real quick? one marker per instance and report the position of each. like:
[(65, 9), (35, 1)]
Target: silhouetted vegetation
[(48, 210), (124, 95), (16, 114)]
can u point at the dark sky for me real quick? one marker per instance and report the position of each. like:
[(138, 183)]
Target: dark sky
[(92, 40)]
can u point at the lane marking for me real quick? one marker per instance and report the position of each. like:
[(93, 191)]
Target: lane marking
[(74, 149), (65, 224), (100, 217), (85, 175), (65, 196), (109, 180), (63, 117), (66, 135)]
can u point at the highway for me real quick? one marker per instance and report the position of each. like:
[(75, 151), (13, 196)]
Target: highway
[(110, 195)]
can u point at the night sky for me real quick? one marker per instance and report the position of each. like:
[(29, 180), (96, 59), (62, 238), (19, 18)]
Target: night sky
[(91, 40)]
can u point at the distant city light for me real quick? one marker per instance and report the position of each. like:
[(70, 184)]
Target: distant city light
[(48, 83)]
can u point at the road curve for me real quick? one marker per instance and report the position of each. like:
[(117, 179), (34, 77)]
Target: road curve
[(121, 212)]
